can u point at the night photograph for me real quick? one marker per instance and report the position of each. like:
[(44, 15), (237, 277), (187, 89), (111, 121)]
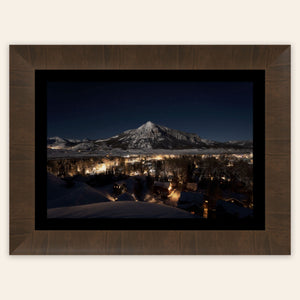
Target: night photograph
[(150, 149)]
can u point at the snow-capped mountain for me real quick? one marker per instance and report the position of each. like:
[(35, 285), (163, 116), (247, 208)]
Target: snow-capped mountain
[(58, 143), (152, 136), (147, 136), (63, 143)]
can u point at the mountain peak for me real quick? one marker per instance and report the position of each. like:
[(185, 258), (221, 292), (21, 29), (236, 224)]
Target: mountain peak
[(147, 125)]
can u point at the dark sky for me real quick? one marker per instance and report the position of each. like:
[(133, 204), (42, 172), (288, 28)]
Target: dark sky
[(219, 111)]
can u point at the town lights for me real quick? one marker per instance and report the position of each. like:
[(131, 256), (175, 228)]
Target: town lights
[(101, 168), (158, 157)]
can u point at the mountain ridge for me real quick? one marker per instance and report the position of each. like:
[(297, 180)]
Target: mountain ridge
[(147, 136)]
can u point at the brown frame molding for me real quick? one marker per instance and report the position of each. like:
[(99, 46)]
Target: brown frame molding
[(274, 59)]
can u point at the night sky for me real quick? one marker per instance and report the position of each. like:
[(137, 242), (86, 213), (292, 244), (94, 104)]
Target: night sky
[(220, 111)]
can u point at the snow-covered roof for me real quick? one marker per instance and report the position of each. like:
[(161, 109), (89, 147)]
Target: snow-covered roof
[(126, 197), (189, 199), (234, 209)]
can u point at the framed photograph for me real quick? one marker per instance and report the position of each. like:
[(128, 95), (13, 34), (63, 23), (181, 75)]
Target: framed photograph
[(150, 149)]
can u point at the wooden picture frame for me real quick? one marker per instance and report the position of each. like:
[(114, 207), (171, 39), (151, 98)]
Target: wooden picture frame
[(274, 59)]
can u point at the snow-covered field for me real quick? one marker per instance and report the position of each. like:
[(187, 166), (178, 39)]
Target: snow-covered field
[(53, 153), (58, 194), (83, 201), (122, 209)]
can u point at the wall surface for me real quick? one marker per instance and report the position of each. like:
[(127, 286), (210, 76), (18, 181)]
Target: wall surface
[(151, 22)]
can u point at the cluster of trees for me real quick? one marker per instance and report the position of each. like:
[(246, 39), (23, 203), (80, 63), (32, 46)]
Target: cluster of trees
[(235, 175), (70, 166), (191, 168)]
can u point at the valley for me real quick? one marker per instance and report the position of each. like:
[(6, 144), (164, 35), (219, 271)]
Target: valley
[(154, 167)]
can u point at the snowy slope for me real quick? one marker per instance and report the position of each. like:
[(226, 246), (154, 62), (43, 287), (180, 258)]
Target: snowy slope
[(152, 136), (59, 195), (119, 209)]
